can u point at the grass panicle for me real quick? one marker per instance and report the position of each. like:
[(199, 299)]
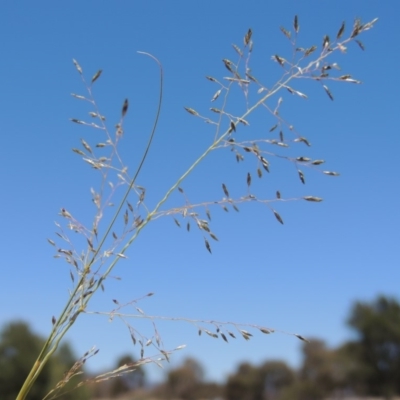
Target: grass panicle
[(91, 259)]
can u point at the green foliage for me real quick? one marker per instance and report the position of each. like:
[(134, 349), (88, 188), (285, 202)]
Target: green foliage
[(368, 366), (377, 350), (259, 383), (19, 348), (184, 382), (323, 373)]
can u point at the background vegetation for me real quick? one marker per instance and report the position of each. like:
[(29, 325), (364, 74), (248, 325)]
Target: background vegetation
[(368, 365)]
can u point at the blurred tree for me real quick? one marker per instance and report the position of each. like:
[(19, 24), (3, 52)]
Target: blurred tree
[(19, 348), (259, 383), (377, 348), (301, 390), (244, 384), (185, 382), (324, 373), (129, 381), (318, 374), (275, 375)]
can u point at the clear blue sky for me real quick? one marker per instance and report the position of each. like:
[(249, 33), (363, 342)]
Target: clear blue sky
[(300, 277)]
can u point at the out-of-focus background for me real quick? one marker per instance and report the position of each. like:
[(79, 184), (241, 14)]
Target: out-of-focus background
[(366, 366), (303, 277)]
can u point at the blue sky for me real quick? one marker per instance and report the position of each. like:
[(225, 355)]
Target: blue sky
[(299, 277)]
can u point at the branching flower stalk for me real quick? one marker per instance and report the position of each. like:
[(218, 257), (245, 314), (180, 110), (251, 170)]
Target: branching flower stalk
[(94, 266)]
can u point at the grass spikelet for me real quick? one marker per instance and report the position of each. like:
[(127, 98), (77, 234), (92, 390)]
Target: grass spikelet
[(96, 75), (278, 217), (191, 111)]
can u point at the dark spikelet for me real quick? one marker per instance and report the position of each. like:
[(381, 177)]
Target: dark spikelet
[(312, 198), (245, 333), (251, 77), (53, 320), (302, 139), (125, 107), (232, 127), (328, 92), (301, 176), (224, 337), (357, 27), (247, 37), (96, 75), (278, 194), (207, 245), (264, 163), (248, 179), (296, 24), (177, 222), (279, 60), (278, 217), (341, 31), (228, 64), (302, 338), (325, 42), (224, 188), (214, 237), (273, 128), (360, 45)]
